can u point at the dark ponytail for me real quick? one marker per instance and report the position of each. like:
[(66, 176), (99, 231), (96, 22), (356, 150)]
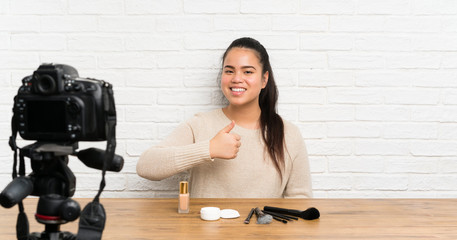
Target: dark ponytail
[(271, 124)]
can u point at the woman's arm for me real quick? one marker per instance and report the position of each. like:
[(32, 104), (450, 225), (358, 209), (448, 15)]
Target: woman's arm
[(299, 183), (177, 153)]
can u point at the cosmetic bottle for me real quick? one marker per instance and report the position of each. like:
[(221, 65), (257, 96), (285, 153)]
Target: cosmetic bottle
[(183, 205)]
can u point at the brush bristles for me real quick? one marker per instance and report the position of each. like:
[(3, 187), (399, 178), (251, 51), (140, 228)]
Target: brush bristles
[(262, 218), (310, 214), (265, 219)]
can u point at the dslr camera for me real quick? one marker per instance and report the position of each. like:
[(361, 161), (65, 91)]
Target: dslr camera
[(54, 104), (57, 109)]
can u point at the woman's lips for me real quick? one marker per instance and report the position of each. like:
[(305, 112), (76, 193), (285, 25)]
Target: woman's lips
[(237, 91)]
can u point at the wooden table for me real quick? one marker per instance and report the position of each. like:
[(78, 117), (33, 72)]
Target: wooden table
[(340, 219)]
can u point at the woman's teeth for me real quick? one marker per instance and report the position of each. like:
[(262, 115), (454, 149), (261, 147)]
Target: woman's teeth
[(238, 89)]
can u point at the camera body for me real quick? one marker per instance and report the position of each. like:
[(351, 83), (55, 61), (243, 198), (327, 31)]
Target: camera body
[(56, 105)]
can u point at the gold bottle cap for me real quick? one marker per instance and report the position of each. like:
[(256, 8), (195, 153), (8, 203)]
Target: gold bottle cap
[(183, 187)]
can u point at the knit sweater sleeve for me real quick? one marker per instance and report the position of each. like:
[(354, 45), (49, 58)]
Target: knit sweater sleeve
[(177, 153), (299, 182)]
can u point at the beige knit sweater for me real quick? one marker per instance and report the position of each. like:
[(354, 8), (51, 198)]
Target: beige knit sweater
[(250, 175)]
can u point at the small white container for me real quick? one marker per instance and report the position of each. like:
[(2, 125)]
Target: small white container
[(214, 213), (210, 213)]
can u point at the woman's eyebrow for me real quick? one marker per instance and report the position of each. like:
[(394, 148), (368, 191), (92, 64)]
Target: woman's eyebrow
[(243, 67)]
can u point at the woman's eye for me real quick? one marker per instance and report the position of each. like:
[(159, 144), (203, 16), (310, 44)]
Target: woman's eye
[(248, 72), (228, 71)]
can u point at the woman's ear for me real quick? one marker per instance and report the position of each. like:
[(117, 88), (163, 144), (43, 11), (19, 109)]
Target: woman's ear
[(265, 79)]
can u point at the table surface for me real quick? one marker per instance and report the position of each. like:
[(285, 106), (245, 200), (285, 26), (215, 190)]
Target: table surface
[(340, 219)]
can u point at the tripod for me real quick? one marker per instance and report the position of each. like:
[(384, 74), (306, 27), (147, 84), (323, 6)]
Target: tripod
[(54, 183)]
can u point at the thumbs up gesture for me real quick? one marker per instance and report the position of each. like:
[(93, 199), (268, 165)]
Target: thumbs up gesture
[(225, 145)]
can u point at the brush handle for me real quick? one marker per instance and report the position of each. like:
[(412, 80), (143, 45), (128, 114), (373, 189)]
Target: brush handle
[(283, 211), (308, 214), (279, 219), (258, 212), (248, 219), (285, 217)]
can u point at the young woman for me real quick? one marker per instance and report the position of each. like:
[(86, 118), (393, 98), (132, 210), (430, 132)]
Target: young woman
[(244, 150)]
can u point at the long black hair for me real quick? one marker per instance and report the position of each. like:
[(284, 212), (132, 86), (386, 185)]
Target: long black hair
[(271, 124)]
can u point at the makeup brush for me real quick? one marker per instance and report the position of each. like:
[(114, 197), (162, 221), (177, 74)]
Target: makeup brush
[(262, 218), (279, 219), (308, 214), (248, 219), (285, 217)]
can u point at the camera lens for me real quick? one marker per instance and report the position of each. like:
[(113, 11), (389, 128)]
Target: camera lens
[(46, 85)]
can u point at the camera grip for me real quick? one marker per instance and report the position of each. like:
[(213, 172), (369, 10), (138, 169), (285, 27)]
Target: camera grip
[(15, 191)]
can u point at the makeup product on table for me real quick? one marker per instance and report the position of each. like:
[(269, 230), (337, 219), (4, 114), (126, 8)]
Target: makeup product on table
[(248, 219), (285, 217), (229, 213), (279, 219), (210, 213), (183, 205), (308, 214), (214, 213), (262, 218)]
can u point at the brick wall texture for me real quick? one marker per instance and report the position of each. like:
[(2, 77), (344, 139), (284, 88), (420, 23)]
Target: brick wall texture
[(372, 84)]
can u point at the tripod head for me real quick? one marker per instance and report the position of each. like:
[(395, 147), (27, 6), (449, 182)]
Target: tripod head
[(50, 174), (53, 181)]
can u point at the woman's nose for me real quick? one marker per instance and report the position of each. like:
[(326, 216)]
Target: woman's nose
[(237, 78)]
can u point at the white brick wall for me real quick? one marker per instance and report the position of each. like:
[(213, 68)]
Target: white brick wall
[(371, 84)]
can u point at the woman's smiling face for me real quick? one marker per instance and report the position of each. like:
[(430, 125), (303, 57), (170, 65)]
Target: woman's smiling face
[(242, 78)]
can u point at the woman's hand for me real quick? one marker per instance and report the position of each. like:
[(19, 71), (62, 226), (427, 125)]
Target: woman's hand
[(225, 145)]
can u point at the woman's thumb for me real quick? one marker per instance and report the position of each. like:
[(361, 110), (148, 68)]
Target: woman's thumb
[(229, 127)]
